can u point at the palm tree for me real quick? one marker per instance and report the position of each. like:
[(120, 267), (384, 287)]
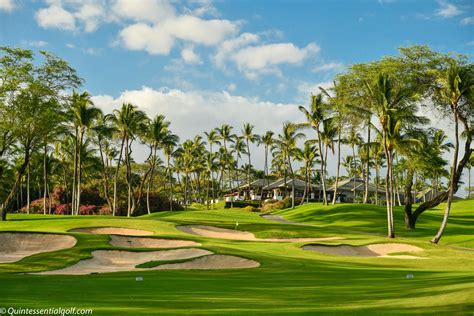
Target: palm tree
[(454, 85), (354, 139), (128, 122), (169, 144), (238, 148), (394, 111), (308, 156), (157, 131), (82, 114), (103, 132), (314, 117), (469, 165), (250, 137), (287, 145), (225, 134), (212, 138), (267, 141)]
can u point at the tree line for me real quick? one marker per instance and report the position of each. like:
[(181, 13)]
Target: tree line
[(51, 136)]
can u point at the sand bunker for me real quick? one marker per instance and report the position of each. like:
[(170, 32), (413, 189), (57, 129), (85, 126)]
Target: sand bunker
[(144, 242), (104, 261), (112, 231), (16, 246), (223, 233), (374, 250), (210, 263)]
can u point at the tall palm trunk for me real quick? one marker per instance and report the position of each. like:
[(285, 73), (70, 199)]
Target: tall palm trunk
[(105, 176), (28, 189), (150, 181), (334, 198), (325, 201), (45, 178), (388, 186), (186, 192), (367, 164), (452, 183), (74, 178), (354, 170), (129, 178), (79, 173), (292, 182), (116, 176), (377, 177), (248, 171), (171, 181)]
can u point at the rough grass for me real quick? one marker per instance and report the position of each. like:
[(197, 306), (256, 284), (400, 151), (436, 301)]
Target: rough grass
[(289, 280)]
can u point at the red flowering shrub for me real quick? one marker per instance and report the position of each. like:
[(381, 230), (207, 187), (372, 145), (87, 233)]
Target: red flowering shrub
[(63, 209), (87, 209), (105, 210)]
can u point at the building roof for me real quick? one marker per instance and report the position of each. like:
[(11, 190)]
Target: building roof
[(280, 183), (348, 185), (259, 183)]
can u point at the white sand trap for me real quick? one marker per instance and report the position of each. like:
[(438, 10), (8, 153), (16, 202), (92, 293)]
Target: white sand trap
[(212, 262), (144, 242), (16, 246), (374, 250), (104, 261), (223, 233), (112, 231)]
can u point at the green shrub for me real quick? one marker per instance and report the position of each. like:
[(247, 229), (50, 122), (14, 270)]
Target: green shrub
[(250, 208)]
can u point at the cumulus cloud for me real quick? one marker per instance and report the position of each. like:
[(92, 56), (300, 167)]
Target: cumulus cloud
[(55, 16), (141, 36), (189, 56), (447, 10), (262, 56), (194, 112), (7, 5), (226, 48), (144, 11), (160, 38)]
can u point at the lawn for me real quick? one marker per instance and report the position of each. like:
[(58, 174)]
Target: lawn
[(289, 280)]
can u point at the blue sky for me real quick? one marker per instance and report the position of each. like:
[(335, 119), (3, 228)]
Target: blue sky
[(203, 63), (345, 32)]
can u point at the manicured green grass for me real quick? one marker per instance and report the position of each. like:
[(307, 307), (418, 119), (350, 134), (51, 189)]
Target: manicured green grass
[(289, 280), (373, 219)]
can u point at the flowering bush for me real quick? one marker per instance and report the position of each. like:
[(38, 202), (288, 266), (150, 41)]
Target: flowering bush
[(87, 209), (105, 210), (63, 209)]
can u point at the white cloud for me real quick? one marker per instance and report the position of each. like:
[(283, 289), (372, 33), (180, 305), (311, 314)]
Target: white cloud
[(91, 14), (70, 45), (468, 21), (447, 10), (328, 67), (189, 56), (201, 8), (264, 58), (229, 46), (143, 10), (200, 31), (7, 5), (141, 36), (194, 112), (55, 17), (160, 38)]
